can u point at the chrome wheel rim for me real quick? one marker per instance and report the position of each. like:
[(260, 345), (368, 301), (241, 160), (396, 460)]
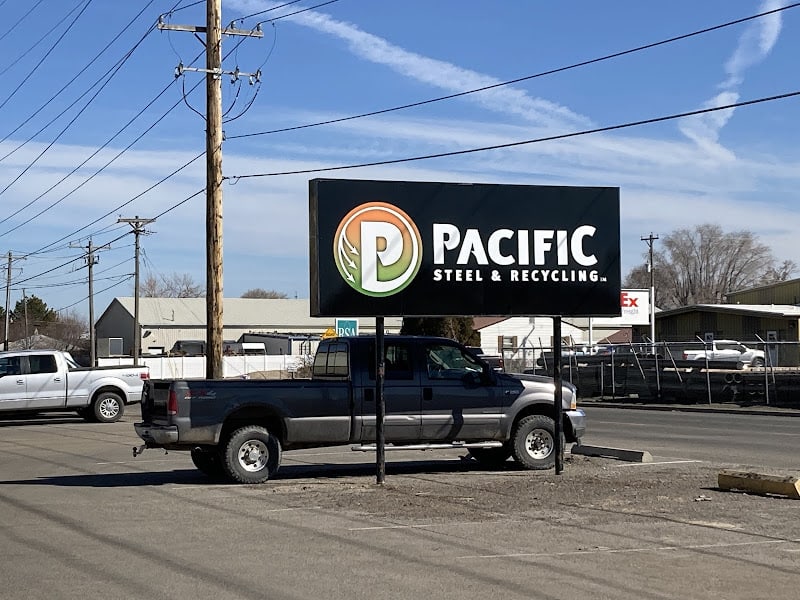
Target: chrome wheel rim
[(109, 407), (253, 455), (539, 444)]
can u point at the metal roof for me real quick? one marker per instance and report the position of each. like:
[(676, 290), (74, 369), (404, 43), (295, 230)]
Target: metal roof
[(772, 310), (244, 313)]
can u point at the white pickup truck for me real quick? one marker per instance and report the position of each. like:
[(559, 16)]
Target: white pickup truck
[(728, 350), (47, 380)]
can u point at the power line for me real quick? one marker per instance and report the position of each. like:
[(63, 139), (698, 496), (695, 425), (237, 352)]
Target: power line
[(92, 155), (63, 264), (236, 178), (49, 51), (62, 132), (74, 78), (57, 24), (96, 293), (520, 79), (21, 19)]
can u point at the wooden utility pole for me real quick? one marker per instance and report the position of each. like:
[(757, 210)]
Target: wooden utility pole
[(650, 269), (214, 189), (8, 300), (91, 261), (214, 72), (138, 229)]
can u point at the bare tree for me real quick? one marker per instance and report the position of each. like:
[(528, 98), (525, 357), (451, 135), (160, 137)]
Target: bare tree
[(71, 331), (177, 285), (701, 265), (262, 293)]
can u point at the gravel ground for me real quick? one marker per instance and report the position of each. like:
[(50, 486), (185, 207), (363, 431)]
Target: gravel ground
[(591, 490)]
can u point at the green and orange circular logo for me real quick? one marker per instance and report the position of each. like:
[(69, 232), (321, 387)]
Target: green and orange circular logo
[(378, 249)]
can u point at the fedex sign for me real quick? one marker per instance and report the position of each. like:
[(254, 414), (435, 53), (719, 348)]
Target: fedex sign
[(634, 307), (628, 300)]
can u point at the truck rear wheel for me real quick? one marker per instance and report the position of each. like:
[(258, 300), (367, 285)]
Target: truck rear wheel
[(107, 407), (534, 442), (208, 461), (252, 455)]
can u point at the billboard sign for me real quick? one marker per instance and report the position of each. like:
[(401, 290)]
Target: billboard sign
[(402, 248)]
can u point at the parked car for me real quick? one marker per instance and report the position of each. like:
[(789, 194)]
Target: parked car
[(728, 350), (47, 380)]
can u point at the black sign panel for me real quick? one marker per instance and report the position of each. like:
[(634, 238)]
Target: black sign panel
[(405, 248)]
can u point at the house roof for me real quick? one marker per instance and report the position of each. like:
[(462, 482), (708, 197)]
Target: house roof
[(768, 310), (479, 323), (766, 286), (260, 313)]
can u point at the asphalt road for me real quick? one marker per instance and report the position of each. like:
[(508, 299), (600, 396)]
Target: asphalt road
[(771, 442), (82, 519)]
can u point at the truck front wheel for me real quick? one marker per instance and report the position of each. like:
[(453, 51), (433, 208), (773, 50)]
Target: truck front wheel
[(534, 442), (107, 407), (252, 455)]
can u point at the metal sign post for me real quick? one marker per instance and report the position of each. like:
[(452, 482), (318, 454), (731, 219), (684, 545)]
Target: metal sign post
[(380, 408), (557, 396)]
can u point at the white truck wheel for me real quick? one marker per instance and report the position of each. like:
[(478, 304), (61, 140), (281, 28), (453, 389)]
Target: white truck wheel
[(108, 407)]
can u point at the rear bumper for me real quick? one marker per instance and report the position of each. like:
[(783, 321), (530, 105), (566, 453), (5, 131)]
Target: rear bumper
[(577, 421), (157, 435)]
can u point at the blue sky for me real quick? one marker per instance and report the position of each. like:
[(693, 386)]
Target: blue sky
[(70, 164)]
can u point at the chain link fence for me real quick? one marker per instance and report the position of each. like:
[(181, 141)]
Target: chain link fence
[(690, 372)]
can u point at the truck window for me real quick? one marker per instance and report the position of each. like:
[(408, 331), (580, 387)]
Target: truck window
[(10, 365), (331, 361), (42, 363), (449, 362), (397, 361)]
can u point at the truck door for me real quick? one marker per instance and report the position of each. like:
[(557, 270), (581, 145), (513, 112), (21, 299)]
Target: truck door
[(12, 384), (459, 400), (401, 389), (46, 386)]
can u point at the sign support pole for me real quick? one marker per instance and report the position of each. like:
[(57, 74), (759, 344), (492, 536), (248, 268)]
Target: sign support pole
[(557, 395), (380, 404)]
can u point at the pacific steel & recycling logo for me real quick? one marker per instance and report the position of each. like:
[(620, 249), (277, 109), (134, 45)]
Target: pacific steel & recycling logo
[(378, 249)]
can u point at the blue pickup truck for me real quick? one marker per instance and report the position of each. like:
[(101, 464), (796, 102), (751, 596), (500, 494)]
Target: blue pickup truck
[(437, 393)]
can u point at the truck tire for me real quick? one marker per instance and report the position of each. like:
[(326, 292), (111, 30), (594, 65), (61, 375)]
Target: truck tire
[(107, 407), (252, 455), (208, 461), (757, 362), (533, 442), (491, 457)]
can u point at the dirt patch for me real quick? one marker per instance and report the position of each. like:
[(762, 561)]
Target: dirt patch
[(591, 490)]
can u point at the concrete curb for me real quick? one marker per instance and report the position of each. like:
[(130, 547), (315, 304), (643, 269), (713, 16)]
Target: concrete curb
[(641, 456), (699, 408), (759, 483)]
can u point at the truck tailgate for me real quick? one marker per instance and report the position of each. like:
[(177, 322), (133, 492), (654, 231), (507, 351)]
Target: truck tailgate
[(155, 397)]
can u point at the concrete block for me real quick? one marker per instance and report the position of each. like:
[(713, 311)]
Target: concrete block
[(618, 453), (759, 483)]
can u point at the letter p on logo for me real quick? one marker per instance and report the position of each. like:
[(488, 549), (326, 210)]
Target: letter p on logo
[(377, 249)]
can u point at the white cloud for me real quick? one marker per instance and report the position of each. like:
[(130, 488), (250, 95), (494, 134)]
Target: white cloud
[(755, 43), (440, 74)]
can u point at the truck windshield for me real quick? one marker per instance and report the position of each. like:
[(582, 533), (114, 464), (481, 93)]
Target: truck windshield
[(450, 362)]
